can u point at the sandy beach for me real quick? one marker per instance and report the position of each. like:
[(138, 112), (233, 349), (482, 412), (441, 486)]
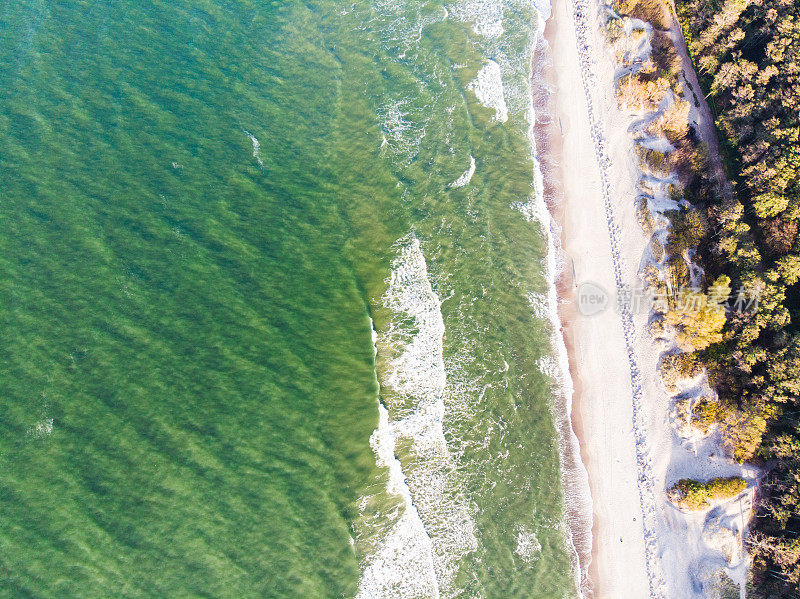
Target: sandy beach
[(602, 408), (641, 545)]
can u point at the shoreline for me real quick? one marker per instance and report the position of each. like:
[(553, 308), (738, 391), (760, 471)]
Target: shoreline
[(602, 413), (550, 150)]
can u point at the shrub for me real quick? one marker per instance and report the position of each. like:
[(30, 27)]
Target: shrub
[(613, 30), (638, 93), (706, 413), (644, 216), (673, 123), (719, 489), (699, 323), (653, 161), (688, 227), (651, 276), (675, 192), (664, 54), (694, 495), (675, 368), (742, 432), (655, 12), (676, 273), (657, 328)]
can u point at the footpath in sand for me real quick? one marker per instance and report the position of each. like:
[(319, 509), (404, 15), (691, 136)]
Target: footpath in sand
[(599, 354)]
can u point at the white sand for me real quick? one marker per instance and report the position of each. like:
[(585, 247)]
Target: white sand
[(642, 546)]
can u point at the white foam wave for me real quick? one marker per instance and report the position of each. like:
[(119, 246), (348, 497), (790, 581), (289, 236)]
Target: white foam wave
[(403, 565), (256, 147), (528, 546), (413, 388), (466, 177), (488, 88), (485, 15)]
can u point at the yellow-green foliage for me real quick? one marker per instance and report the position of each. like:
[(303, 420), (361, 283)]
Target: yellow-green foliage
[(694, 495), (742, 432), (699, 323), (653, 161), (655, 12), (675, 192), (657, 247), (651, 277), (639, 93), (676, 273), (688, 227), (675, 368), (657, 328), (613, 30), (644, 216), (706, 413)]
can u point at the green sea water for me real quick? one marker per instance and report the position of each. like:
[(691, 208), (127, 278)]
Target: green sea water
[(204, 207)]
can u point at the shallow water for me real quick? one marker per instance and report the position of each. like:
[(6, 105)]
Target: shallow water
[(207, 206)]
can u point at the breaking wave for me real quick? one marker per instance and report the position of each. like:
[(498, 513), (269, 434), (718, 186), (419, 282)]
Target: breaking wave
[(488, 88), (435, 520)]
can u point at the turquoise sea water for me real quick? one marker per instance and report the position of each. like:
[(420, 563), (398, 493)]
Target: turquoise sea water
[(205, 207)]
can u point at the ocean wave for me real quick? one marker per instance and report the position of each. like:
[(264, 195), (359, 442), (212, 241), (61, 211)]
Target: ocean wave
[(413, 387), (256, 148), (402, 564), (466, 177), (488, 89)]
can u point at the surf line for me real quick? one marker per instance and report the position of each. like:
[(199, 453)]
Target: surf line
[(577, 504), (422, 552)]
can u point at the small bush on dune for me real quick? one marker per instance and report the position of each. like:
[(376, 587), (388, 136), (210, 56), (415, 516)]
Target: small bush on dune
[(694, 495), (613, 30), (640, 93), (742, 432), (706, 413), (644, 216), (657, 328), (653, 161), (719, 489), (675, 368), (657, 248), (664, 53), (690, 159), (655, 12), (699, 327), (688, 227), (673, 123), (651, 276), (676, 273), (689, 493)]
